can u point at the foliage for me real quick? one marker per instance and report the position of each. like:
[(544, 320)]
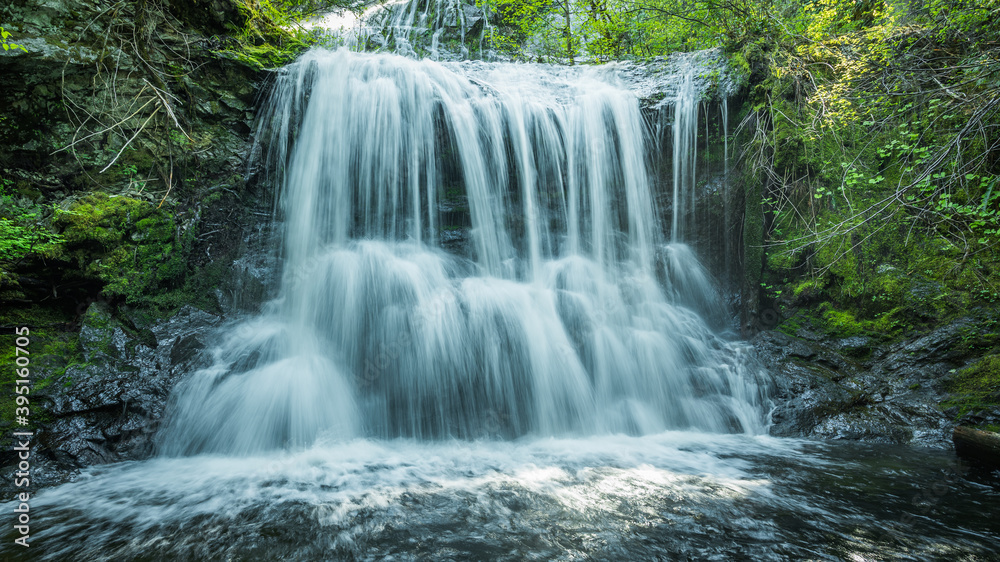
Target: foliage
[(52, 353), (602, 30), (8, 45), (267, 38), (133, 129), (17, 241), (539, 28), (873, 130), (272, 34), (870, 139), (22, 227)]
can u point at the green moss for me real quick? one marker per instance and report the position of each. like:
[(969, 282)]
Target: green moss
[(807, 287), (134, 248), (50, 353), (975, 389), (843, 323), (266, 55), (269, 36), (777, 260), (59, 352), (198, 290), (982, 337), (891, 323), (901, 283), (33, 315), (791, 326), (887, 290)]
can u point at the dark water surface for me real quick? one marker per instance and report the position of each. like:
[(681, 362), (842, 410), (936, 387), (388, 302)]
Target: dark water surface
[(675, 495)]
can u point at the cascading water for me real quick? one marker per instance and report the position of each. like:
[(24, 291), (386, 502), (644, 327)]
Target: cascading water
[(569, 315), (437, 29), (484, 347), (685, 145)]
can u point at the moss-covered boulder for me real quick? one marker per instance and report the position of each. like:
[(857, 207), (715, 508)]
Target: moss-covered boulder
[(975, 394)]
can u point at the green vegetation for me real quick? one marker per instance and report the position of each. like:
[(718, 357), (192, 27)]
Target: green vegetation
[(136, 249), (51, 354), (869, 133), (874, 137), (870, 142), (272, 34), (7, 43), (269, 37), (569, 30), (110, 176), (23, 233), (976, 389), (539, 27)]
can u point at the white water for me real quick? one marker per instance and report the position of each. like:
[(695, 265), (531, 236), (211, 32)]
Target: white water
[(567, 322), (437, 29), (685, 160), (341, 496), (674, 495), (571, 315)]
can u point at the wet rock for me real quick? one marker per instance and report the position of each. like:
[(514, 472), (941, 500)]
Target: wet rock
[(108, 409), (857, 346), (856, 388), (473, 15), (105, 407), (254, 277)]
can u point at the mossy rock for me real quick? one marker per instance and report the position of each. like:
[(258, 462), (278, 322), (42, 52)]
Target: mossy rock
[(136, 249), (51, 353), (976, 389)]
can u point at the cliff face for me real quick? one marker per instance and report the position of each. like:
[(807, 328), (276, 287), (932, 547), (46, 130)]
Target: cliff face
[(124, 197), (123, 129)]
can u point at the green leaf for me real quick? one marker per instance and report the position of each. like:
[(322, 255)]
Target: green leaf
[(986, 198)]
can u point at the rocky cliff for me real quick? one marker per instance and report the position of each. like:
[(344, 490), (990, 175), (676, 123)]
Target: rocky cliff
[(126, 131)]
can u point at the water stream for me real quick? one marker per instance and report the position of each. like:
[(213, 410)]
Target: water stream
[(570, 313), (489, 344)]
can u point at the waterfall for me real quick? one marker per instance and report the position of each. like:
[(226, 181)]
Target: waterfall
[(437, 29), (565, 312), (685, 160), (488, 344)]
